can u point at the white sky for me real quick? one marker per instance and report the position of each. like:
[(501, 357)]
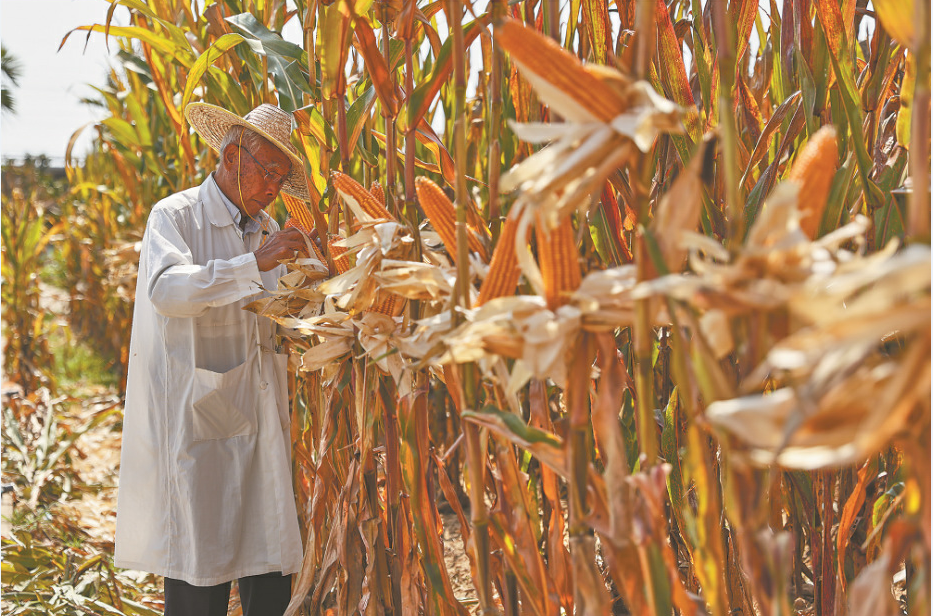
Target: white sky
[(52, 82)]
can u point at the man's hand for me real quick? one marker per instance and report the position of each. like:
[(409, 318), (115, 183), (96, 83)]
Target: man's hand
[(314, 237), (281, 245)]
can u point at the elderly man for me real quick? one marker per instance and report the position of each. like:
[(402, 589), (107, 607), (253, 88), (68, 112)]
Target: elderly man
[(205, 492)]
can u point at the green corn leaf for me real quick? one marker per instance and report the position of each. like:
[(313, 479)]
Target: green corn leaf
[(123, 131), (905, 113), (291, 83), (425, 93), (572, 21), (850, 99), (213, 53), (836, 203), (284, 59), (272, 43), (140, 120), (358, 113), (601, 236), (515, 425), (599, 29), (670, 449), (764, 139), (334, 47), (228, 90), (179, 53), (312, 122)]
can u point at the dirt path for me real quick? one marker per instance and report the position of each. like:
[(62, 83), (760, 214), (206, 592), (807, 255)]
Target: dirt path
[(458, 563)]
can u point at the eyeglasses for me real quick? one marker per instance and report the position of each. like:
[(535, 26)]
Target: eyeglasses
[(269, 176)]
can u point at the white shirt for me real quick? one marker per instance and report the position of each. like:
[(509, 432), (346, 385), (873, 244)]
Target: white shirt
[(205, 491)]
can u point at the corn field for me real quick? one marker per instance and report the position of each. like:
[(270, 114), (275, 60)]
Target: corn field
[(639, 291)]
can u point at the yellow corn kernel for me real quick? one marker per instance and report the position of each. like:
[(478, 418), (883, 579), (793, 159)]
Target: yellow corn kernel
[(814, 170), (388, 303), (299, 211), (378, 193), (503, 268), (440, 211), (339, 254), (545, 58), (354, 193), (558, 259)]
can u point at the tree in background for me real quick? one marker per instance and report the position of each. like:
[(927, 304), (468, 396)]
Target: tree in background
[(12, 71)]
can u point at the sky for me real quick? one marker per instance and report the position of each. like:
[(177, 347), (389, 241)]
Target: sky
[(52, 82)]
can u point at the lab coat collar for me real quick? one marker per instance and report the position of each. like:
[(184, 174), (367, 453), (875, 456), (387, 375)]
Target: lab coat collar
[(213, 200), (220, 210)]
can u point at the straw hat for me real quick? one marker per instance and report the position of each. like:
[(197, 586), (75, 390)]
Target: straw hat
[(272, 123)]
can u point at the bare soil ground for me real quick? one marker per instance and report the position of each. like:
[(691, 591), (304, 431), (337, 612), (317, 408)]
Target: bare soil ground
[(458, 563)]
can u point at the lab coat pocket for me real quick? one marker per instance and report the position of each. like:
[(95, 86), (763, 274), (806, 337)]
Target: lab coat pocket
[(223, 407)]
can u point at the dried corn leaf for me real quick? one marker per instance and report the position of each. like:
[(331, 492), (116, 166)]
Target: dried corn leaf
[(418, 281), (546, 447), (679, 209), (591, 595), (375, 333), (846, 421), (325, 353), (870, 593), (867, 287), (715, 329)]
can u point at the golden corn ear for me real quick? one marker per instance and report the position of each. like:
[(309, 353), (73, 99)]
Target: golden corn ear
[(388, 303), (503, 268), (339, 254), (558, 259), (299, 211), (293, 222), (440, 211), (539, 54), (814, 170), (378, 193), (351, 189)]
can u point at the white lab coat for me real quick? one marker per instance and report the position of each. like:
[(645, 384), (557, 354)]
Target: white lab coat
[(205, 491)]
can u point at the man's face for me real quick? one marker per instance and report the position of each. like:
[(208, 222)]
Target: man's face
[(261, 173)]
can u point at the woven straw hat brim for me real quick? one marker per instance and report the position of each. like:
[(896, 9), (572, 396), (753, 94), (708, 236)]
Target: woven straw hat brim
[(212, 123)]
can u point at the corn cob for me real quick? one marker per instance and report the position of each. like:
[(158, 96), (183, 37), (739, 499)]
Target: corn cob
[(814, 170), (339, 254), (300, 217), (299, 212), (503, 268), (293, 222), (388, 303), (385, 302), (378, 193), (558, 259), (440, 211), (546, 59), (353, 192)]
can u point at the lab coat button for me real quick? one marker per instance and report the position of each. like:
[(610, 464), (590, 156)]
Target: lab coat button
[(263, 385)]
